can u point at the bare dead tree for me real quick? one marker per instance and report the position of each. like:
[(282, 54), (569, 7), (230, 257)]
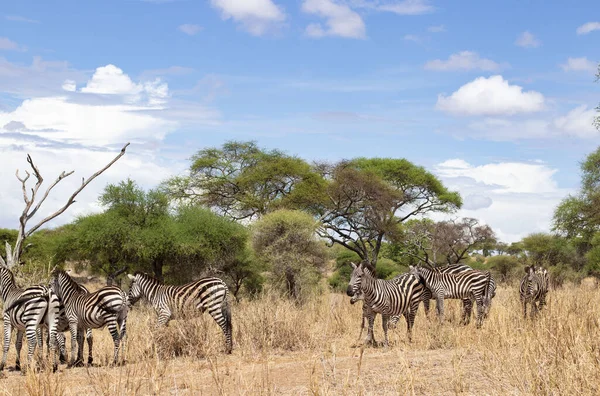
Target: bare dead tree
[(112, 277), (13, 253)]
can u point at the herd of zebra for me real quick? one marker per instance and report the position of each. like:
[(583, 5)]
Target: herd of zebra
[(403, 294), (65, 305)]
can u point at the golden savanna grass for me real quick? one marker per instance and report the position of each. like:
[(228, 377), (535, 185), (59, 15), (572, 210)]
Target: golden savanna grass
[(281, 348)]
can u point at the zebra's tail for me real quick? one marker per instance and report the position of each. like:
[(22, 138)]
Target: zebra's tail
[(26, 298), (226, 311)]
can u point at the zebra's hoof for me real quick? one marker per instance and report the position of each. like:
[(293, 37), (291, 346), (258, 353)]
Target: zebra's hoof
[(90, 361)]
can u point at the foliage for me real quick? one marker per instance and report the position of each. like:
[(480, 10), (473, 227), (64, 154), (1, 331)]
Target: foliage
[(504, 266), (285, 240), (365, 200), (241, 180)]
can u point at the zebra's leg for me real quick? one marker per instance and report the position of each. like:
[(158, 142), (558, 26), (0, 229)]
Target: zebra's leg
[(31, 334), (524, 303), (90, 341), (18, 345), (440, 308), (384, 324), (426, 306), (73, 331), (364, 318), (410, 320), (7, 331), (222, 315), (122, 323), (60, 340), (114, 332), (39, 333), (480, 308), (467, 309), (79, 359), (163, 317), (371, 319)]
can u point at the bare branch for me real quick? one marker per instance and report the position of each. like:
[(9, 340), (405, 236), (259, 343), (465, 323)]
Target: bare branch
[(71, 199)]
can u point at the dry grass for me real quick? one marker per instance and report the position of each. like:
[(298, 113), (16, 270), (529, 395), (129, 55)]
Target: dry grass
[(280, 348)]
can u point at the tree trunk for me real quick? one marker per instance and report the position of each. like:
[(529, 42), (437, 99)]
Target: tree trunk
[(157, 268)]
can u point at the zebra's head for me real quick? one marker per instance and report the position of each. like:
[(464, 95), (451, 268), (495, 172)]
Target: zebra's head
[(353, 289), (135, 291)]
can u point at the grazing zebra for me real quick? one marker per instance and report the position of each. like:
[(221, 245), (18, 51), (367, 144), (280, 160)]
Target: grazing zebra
[(387, 297), (209, 294), (533, 289), (32, 311), (107, 306), (472, 285)]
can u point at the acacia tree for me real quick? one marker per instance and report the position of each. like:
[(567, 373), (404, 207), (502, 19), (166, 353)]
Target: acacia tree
[(446, 242), (366, 199), (240, 180), (13, 253)]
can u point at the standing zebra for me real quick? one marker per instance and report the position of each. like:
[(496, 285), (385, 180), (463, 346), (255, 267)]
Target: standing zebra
[(32, 311), (472, 285), (533, 289), (107, 306), (386, 297), (34, 302), (209, 294)]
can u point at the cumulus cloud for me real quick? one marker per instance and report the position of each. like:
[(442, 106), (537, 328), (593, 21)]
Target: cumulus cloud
[(70, 86), (579, 64), (514, 198), (578, 123), (527, 40), (189, 29), (490, 96), (340, 20), (258, 17), (402, 7), (464, 60), (110, 80), (588, 27), (17, 18)]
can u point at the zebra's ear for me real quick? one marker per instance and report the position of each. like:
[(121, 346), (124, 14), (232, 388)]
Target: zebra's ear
[(526, 270), (130, 276), (353, 265)]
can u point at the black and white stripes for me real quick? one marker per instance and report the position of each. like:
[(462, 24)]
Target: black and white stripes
[(107, 306), (209, 294), (533, 289)]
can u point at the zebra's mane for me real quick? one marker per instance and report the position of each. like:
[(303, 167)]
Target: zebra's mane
[(147, 277), (10, 273)]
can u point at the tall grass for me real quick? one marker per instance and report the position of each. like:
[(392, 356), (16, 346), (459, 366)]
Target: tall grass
[(283, 348)]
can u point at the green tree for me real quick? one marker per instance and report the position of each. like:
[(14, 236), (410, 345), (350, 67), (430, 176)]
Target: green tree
[(241, 180), (364, 201), (504, 265), (286, 241)]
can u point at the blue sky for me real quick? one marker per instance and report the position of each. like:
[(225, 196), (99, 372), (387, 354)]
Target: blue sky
[(495, 97)]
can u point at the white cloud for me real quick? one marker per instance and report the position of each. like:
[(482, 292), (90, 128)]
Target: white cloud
[(255, 16), (110, 80), (412, 37), (341, 20), (436, 29), (17, 18), (527, 40), (70, 86), (464, 60), (490, 96), (588, 27), (579, 64), (189, 29), (403, 7), (577, 123), (514, 198), (6, 44)]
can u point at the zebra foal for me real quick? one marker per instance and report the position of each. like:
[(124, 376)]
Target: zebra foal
[(386, 297), (472, 285), (107, 306), (168, 301), (533, 289)]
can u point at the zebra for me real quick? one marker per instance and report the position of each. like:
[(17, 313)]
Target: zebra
[(472, 285), (368, 315), (107, 306), (458, 268), (26, 316), (387, 297), (208, 293), (533, 289)]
